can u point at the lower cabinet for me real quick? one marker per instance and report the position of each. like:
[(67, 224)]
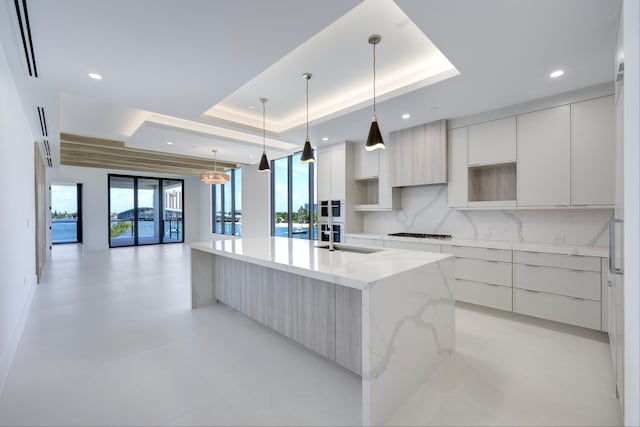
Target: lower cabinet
[(489, 295), (322, 316), (574, 311), (563, 288), (317, 316)]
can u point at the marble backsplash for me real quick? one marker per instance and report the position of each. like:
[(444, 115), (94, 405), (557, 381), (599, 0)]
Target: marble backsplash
[(424, 210)]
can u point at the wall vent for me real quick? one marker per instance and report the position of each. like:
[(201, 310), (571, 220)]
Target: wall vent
[(22, 15)]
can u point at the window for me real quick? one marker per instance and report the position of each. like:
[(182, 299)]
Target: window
[(227, 205), (293, 204)]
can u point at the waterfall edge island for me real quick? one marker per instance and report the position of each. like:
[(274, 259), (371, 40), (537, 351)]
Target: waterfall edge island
[(384, 314)]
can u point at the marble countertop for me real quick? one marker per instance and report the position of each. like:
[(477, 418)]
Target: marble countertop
[(562, 249), (354, 270)]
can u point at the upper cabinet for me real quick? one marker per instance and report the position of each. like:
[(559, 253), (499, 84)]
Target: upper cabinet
[(593, 151), (331, 172), (372, 190), (492, 142), (457, 158), (366, 164), (544, 153), (561, 156), (418, 155)]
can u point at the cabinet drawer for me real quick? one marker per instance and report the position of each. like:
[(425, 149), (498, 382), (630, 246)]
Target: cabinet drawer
[(575, 262), (573, 283), (574, 311), (478, 253), (414, 246), (477, 270), (483, 294), (363, 241)]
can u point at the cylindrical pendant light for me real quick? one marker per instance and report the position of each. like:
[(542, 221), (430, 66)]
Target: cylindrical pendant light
[(307, 151), (374, 140), (264, 162), (214, 177)]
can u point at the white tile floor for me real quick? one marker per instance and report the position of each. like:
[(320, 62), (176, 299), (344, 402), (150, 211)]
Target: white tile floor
[(110, 340)]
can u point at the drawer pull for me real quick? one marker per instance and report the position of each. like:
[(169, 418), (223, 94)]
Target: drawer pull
[(532, 291), (577, 270), (532, 265), (492, 261)]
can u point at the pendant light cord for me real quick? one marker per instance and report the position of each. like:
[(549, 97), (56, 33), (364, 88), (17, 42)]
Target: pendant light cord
[(264, 130), (307, 108), (374, 81)]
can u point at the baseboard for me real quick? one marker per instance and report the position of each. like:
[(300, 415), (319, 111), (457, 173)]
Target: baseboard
[(6, 359)]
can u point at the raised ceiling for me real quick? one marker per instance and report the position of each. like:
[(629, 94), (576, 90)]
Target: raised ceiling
[(166, 62)]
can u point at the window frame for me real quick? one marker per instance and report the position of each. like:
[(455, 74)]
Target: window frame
[(290, 196), (221, 187)]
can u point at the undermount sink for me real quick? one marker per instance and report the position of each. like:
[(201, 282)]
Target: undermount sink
[(355, 249)]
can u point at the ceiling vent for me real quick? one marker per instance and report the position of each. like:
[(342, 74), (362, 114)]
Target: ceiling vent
[(25, 34), (45, 150), (43, 122)]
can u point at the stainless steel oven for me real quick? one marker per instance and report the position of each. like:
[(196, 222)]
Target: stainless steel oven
[(337, 232), (337, 209)]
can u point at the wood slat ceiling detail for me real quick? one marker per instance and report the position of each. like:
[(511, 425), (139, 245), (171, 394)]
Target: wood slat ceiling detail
[(77, 150)]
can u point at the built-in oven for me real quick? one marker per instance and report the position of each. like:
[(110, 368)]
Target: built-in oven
[(336, 207), (337, 232)]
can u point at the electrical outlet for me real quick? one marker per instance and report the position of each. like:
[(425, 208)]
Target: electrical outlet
[(485, 236), (558, 239)]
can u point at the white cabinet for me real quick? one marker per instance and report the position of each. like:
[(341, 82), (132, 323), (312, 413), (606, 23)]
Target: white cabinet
[(366, 163), (331, 173), (544, 153), (492, 142), (593, 151), (418, 155), (457, 166), (372, 190), (323, 168)]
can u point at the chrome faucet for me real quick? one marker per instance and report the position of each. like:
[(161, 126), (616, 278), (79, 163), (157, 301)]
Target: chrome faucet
[(331, 226)]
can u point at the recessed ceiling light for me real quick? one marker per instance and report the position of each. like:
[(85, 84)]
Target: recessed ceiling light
[(556, 74), (406, 116), (169, 142), (252, 107), (95, 76), (325, 139)]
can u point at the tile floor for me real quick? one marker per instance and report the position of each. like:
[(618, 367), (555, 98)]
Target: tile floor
[(111, 340)]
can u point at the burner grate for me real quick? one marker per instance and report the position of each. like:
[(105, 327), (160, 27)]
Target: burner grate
[(423, 235)]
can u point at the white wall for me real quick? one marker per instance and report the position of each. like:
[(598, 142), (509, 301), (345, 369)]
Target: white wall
[(631, 34), (95, 202), (256, 202), (17, 219)]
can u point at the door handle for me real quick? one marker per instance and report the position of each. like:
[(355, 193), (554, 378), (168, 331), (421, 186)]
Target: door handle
[(612, 246)]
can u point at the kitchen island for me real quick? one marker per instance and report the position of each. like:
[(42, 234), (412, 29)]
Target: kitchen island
[(384, 314)]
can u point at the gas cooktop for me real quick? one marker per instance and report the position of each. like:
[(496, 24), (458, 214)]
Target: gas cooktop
[(423, 236)]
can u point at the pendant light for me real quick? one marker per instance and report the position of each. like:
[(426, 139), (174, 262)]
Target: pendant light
[(374, 140), (264, 162), (213, 176), (307, 151)]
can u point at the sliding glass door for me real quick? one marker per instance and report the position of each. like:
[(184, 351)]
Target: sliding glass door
[(148, 211), (172, 208), (122, 203), (144, 211)]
